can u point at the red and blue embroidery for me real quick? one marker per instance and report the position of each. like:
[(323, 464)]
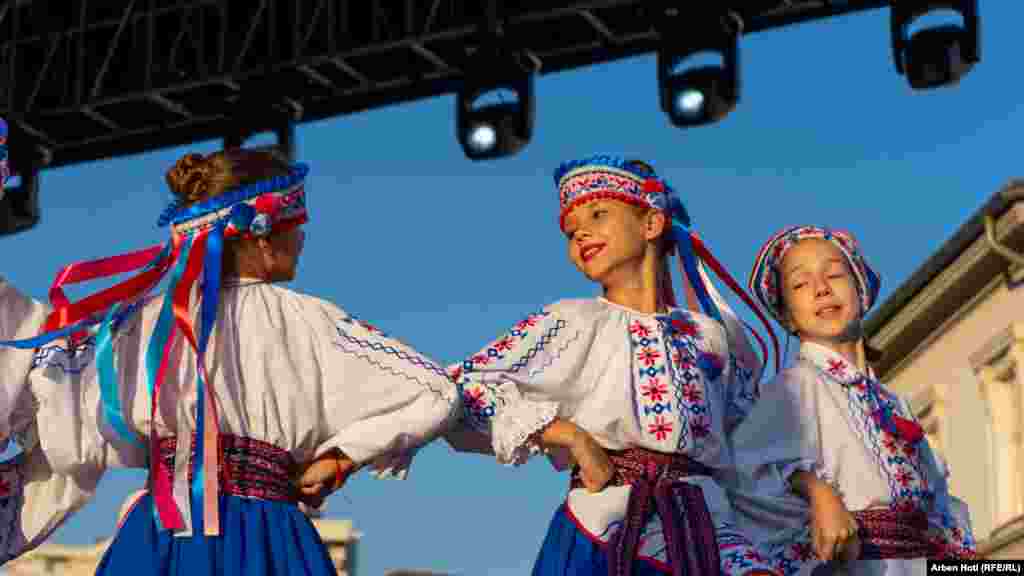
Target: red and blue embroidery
[(870, 404), (895, 439), (510, 353), (654, 405), (373, 346), (71, 359), (672, 370)]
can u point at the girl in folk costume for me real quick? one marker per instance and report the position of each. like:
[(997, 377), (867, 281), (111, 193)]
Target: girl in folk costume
[(219, 399), (826, 437), (636, 392)]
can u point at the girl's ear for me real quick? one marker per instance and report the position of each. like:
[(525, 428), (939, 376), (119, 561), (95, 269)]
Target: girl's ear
[(656, 224)]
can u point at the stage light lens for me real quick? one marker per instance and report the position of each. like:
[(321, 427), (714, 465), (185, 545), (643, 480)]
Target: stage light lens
[(690, 102), (482, 137)]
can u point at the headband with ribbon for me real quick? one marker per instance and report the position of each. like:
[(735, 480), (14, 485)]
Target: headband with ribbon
[(765, 277), (193, 254), (636, 183)]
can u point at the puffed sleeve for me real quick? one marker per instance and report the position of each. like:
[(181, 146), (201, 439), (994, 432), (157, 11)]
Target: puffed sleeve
[(382, 399), (510, 387), (65, 450), (21, 317), (788, 408), (35, 500), (780, 436)]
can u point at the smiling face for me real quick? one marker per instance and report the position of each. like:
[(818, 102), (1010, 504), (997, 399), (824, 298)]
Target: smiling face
[(609, 241), (819, 291)]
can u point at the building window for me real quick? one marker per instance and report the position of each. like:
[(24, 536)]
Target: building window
[(929, 410), (998, 368)]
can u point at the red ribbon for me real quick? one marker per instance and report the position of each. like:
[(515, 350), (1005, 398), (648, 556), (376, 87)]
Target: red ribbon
[(162, 490), (66, 313), (183, 318), (704, 254)]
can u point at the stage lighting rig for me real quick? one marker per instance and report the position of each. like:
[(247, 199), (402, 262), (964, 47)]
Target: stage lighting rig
[(699, 94), (938, 55), (493, 130), (19, 205)]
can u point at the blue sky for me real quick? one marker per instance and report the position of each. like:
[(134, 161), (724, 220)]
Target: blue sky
[(446, 253)]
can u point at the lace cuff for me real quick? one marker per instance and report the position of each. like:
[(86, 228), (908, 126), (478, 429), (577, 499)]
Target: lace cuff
[(515, 430)]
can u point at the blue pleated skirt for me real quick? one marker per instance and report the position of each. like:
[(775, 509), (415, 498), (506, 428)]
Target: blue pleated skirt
[(568, 551), (258, 538)]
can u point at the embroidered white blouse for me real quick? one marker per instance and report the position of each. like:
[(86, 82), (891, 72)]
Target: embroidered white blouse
[(666, 383), (816, 416), (285, 368)]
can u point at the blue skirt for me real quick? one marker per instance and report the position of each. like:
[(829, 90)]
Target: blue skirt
[(567, 551), (258, 538)]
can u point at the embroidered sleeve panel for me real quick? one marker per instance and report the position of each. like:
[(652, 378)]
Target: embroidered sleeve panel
[(382, 398), (503, 385), (362, 340)]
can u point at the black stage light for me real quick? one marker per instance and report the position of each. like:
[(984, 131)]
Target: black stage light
[(488, 131), (700, 94), (19, 205), (938, 55)]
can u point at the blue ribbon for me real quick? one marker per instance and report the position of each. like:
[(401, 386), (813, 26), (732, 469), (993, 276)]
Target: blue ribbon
[(44, 339), (107, 371), (82, 325), (685, 246), (161, 333), (107, 368), (174, 214), (208, 318)]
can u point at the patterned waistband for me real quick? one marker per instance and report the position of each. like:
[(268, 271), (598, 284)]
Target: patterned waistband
[(632, 464), (888, 533), (245, 467)]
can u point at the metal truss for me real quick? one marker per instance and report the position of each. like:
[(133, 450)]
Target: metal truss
[(92, 79)]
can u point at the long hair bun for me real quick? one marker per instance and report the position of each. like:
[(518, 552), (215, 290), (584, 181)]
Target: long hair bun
[(189, 178)]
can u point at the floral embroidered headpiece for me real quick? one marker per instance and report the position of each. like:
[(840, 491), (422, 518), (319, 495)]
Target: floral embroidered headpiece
[(610, 177), (253, 210), (191, 262), (635, 182), (765, 278)]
